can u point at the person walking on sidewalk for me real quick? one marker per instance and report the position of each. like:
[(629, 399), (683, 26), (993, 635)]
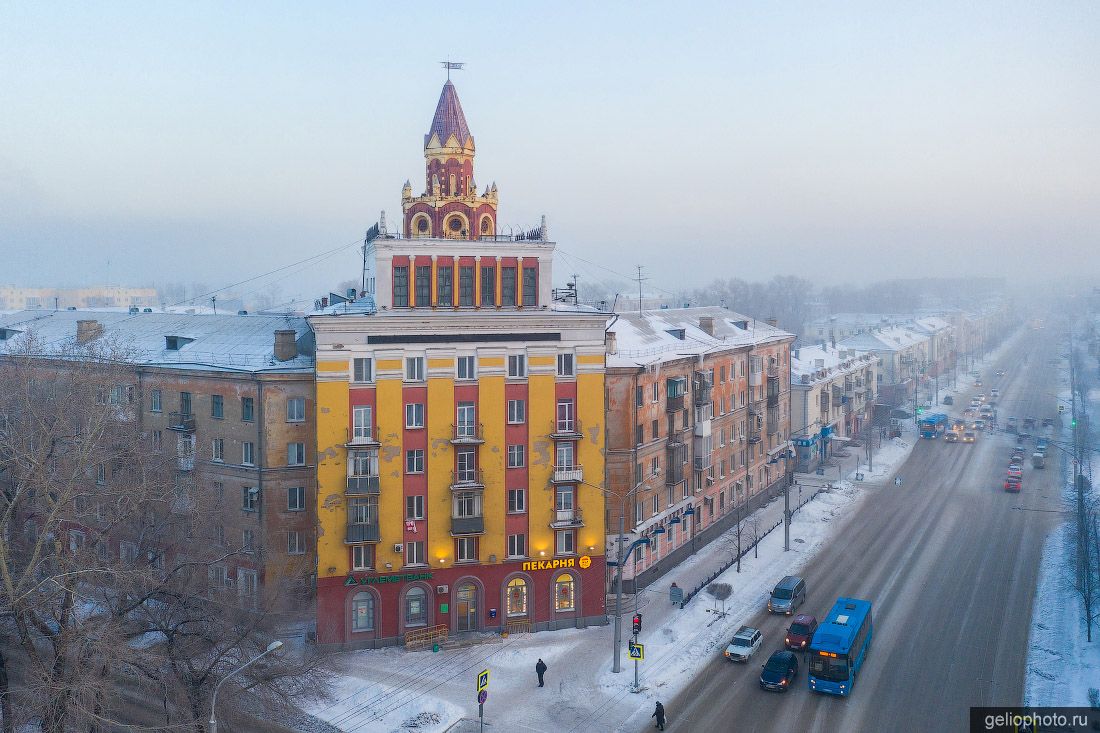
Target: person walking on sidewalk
[(540, 670), (659, 714)]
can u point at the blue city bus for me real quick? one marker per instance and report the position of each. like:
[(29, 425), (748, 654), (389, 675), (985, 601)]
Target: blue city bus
[(840, 646), (933, 425)]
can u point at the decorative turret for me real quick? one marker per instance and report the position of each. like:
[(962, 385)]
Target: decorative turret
[(450, 206)]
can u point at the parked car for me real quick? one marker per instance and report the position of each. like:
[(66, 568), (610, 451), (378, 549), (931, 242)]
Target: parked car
[(801, 631), (779, 671), (1010, 425), (969, 436), (1013, 483), (1038, 460), (948, 400), (744, 644), (788, 594)]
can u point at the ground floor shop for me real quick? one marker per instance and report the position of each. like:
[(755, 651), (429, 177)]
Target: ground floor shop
[(379, 609)]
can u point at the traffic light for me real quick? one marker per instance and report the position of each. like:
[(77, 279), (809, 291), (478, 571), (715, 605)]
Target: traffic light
[(637, 624), (1073, 423), (920, 410)]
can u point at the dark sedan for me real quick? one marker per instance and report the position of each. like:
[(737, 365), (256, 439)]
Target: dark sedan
[(779, 671)]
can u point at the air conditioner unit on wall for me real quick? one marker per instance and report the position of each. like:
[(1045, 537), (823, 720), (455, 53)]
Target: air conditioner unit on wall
[(442, 589), (398, 547)]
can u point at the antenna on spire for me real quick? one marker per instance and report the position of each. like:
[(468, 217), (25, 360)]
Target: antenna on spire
[(640, 280), (448, 65)]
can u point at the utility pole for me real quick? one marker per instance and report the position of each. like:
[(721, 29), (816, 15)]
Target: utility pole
[(640, 280)]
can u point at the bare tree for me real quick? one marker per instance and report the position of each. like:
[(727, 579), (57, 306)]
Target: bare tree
[(754, 533)]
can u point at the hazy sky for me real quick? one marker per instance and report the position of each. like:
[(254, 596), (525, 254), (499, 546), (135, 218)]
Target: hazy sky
[(147, 142)]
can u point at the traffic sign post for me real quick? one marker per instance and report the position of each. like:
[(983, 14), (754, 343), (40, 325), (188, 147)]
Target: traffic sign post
[(482, 696), (637, 651)]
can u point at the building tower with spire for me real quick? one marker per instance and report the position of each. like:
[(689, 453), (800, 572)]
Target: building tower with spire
[(450, 207)]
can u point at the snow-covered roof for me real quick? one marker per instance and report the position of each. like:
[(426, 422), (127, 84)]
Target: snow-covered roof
[(670, 333), (930, 324), (224, 342), (894, 338), (814, 364)]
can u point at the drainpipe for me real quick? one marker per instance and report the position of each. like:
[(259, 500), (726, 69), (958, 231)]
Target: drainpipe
[(263, 456)]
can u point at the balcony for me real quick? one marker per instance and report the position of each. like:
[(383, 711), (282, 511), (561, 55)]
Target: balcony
[(186, 462), (674, 474), (567, 430), (467, 434), (361, 436), (568, 474), (362, 485), (754, 437), (467, 525), (773, 371), (183, 422), (467, 480), (702, 463), (566, 519), (367, 532), (756, 378), (702, 389), (674, 404), (772, 400)]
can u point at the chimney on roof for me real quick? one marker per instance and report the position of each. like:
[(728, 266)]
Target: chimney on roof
[(706, 325), (88, 331), (773, 322), (286, 348), (611, 342)]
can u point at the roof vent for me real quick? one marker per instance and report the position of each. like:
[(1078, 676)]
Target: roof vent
[(175, 343), (286, 348), (88, 331)]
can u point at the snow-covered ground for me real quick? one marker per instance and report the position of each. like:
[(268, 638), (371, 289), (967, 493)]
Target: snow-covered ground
[(1061, 664), (394, 690)]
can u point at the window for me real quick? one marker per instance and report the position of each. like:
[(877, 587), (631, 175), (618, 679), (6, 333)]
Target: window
[(295, 454), (362, 557), (655, 429), (530, 286), (250, 498), (295, 543), (656, 393), (361, 422), (76, 540), (363, 510), (247, 413), (564, 544), (508, 286), (639, 396), (296, 499), (517, 545), (217, 449), (565, 455), (517, 365), (154, 400), (465, 422), (517, 587), (414, 507), (416, 605), (516, 456), (219, 534), (489, 286), (414, 415), (362, 370), (656, 504), (362, 606), (246, 454), (414, 461), (566, 367), (564, 590), (158, 441), (414, 553), (517, 411), (296, 409), (248, 538), (638, 471), (517, 501), (466, 367), (414, 368), (639, 435), (362, 463), (566, 424), (655, 466), (466, 549), (563, 501), (217, 406), (466, 505), (466, 286), (444, 277), (401, 287), (185, 403), (423, 285), (247, 582), (466, 462)]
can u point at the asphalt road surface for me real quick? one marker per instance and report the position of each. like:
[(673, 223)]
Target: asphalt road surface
[(950, 562)]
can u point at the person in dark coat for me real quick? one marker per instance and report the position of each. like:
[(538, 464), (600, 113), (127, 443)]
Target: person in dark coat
[(659, 714), (540, 670)]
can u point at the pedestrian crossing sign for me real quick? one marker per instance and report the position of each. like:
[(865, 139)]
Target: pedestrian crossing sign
[(483, 680), (636, 651)]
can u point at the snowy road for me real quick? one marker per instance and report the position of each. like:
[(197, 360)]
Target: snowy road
[(951, 563)]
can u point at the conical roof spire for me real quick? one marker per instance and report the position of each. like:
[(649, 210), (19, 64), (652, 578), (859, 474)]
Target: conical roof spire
[(449, 119)]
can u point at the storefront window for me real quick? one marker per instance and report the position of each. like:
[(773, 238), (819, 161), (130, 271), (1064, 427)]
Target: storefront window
[(517, 597), (564, 593), (362, 612), (416, 607)]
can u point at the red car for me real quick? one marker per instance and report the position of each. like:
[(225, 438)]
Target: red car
[(1012, 483), (801, 631)]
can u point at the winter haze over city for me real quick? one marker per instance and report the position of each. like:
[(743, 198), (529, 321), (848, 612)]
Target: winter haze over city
[(587, 368)]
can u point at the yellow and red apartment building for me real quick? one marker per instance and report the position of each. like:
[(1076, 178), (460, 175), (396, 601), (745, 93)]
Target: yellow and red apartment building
[(460, 427), (698, 429)]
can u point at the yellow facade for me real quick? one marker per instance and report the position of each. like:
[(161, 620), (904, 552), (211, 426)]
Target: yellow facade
[(332, 427)]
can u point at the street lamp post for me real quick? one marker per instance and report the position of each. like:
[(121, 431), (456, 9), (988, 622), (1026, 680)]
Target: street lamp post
[(214, 700)]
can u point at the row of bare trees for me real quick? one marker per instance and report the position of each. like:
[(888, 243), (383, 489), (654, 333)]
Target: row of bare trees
[(107, 614)]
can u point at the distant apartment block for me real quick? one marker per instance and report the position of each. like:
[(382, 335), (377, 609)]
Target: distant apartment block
[(14, 298)]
